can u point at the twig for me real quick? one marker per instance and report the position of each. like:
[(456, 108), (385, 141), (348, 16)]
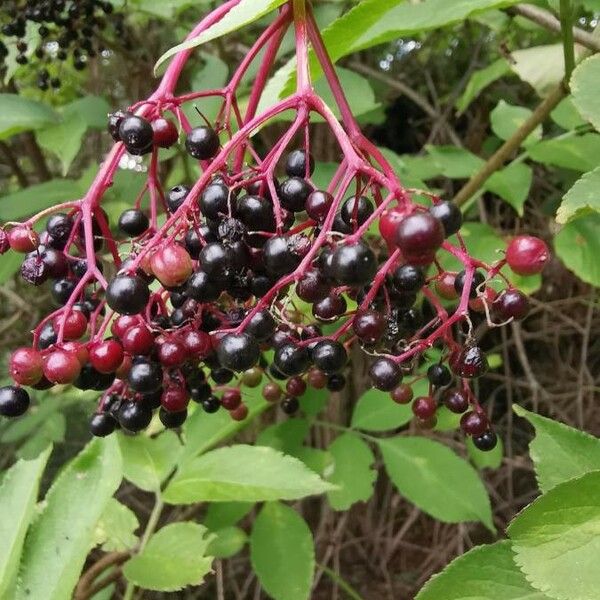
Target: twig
[(549, 21), (566, 25), (87, 579), (497, 160)]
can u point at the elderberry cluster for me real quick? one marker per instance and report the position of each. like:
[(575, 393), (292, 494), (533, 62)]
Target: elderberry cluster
[(67, 30), (254, 276)]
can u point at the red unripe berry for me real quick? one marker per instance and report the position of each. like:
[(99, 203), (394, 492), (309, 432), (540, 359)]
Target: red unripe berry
[(26, 366), (368, 325), (23, 239), (316, 379), (75, 324), (106, 356), (444, 286), (511, 304), (124, 367), (271, 392), (197, 343), (175, 399), (296, 386), (424, 407), (61, 367), (231, 399), (527, 255), (488, 297), (80, 350), (474, 423), (240, 413), (455, 401), (172, 265), (389, 222), (402, 394), (419, 236), (121, 324), (172, 353), (165, 132), (138, 340)]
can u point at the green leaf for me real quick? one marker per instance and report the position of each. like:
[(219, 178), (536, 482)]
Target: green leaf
[(565, 115), (376, 411), (577, 244), (223, 475), (555, 540), (352, 471), (491, 459), (584, 89), (580, 153), (212, 75), (246, 12), (223, 514), (506, 119), (37, 197), (64, 139), (454, 162), (286, 436), (174, 558), (313, 401), (480, 80), (542, 67), (147, 461), (483, 573), (18, 114), (282, 552), (512, 184), (59, 540), (9, 265), (18, 494), (227, 542), (582, 199), (51, 431), (435, 479), (559, 452), (115, 529)]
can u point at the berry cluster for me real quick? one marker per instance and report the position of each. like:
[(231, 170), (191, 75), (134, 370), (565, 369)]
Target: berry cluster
[(66, 30), (257, 277)]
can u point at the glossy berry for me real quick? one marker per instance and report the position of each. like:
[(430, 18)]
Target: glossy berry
[(196, 343), (353, 264), (61, 367), (261, 326), (449, 215), (385, 374), (455, 401), (408, 278), (312, 287), (14, 401), (59, 226), (444, 285), (279, 257), (211, 404), (175, 398), (329, 356), (477, 280), (238, 351), (355, 213), (172, 420), (73, 324), (176, 197), (252, 377), (214, 201), (389, 222), (215, 259), (512, 304), (290, 405), (133, 222), (470, 362), (329, 308), (439, 375), (202, 142), (165, 132), (424, 407), (145, 377), (106, 356), (291, 359), (369, 326), (121, 324), (318, 204), (256, 213), (26, 366), (172, 353), (295, 164), (136, 133), (271, 392), (336, 382), (134, 416), (402, 394), (485, 442), (138, 340), (527, 255), (114, 122), (172, 265), (240, 413), (231, 399), (102, 424), (23, 239), (293, 193), (127, 294), (316, 379), (474, 423), (419, 236)]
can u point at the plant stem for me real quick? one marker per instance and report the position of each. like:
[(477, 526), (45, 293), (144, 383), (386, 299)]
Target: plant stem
[(497, 160), (566, 26), (350, 591), (150, 527)]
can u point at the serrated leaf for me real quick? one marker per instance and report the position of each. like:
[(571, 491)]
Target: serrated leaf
[(352, 471), (18, 494), (227, 542), (559, 452), (483, 573), (434, 478), (506, 119), (582, 199), (376, 411), (282, 552), (480, 80), (115, 529), (577, 244), (490, 459), (246, 12), (584, 89), (580, 153), (147, 461), (223, 475), (555, 539), (60, 538), (174, 558), (18, 114)]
